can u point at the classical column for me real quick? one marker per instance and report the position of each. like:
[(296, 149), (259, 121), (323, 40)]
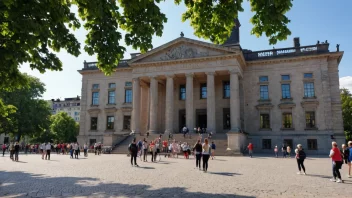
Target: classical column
[(136, 104), (210, 102), (189, 102), (153, 111), (169, 111), (234, 102)]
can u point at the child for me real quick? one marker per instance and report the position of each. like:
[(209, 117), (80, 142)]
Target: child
[(276, 151)]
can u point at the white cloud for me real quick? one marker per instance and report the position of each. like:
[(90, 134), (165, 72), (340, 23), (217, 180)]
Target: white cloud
[(346, 82)]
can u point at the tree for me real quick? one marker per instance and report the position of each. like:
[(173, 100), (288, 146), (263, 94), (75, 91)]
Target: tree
[(346, 100), (30, 28), (32, 114), (64, 128)]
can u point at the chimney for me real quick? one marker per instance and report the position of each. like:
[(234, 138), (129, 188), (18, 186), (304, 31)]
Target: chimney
[(296, 42)]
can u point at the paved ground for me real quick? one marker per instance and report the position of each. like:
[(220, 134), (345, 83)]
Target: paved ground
[(112, 176)]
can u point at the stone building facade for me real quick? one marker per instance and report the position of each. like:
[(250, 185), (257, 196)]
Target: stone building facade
[(277, 96)]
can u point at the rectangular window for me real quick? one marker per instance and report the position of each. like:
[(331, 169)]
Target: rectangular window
[(93, 123), (226, 89), (312, 144), (111, 99), (264, 92), (203, 91), (263, 79), (112, 85), (285, 77), (95, 98), (264, 121), (182, 92), (309, 90), (95, 86), (308, 75), (285, 90), (287, 121), (128, 84), (126, 122), (310, 119), (110, 122), (128, 95), (266, 143)]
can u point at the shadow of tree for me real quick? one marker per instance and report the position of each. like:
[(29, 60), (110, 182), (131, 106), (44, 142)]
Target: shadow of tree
[(35, 185)]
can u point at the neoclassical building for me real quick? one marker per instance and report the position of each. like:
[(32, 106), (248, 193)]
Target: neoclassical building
[(275, 96)]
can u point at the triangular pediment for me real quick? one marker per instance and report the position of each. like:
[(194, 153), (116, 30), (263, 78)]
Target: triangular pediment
[(182, 48)]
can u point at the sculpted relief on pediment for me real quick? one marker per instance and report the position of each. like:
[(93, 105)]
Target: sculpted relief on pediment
[(183, 52)]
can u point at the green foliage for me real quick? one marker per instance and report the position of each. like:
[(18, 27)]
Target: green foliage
[(27, 115), (346, 100), (28, 29), (64, 128)]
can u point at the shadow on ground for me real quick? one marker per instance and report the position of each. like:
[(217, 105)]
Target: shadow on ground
[(36, 185)]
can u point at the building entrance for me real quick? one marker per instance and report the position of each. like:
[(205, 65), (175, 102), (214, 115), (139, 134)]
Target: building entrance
[(201, 119)]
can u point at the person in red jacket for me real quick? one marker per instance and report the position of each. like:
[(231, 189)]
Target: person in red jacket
[(336, 158), (250, 149)]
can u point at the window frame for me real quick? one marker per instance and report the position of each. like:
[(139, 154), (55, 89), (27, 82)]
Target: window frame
[(266, 144), (96, 123), (128, 96), (97, 98), (284, 119), (111, 126), (226, 88), (283, 77), (309, 124), (181, 93), (128, 84), (124, 122), (309, 90), (112, 85), (308, 75), (203, 86), (95, 86), (315, 144), (262, 93), (263, 78), (111, 99), (285, 91), (264, 122)]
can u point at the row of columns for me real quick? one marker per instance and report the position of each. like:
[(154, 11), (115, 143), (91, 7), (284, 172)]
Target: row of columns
[(169, 111)]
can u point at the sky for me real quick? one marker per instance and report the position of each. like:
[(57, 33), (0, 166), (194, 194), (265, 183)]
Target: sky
[(311, 20)]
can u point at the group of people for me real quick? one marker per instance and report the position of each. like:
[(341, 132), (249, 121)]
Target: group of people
[(14, 149)]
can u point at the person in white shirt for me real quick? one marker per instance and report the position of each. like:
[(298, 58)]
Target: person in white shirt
[(48, 149)]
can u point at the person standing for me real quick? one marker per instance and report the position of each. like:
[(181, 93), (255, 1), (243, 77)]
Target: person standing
[(42, 150), (85, 149), (213, 147), (198, 152), (17, 150), (300, 156), (284, 150), (152, 149), (3, 149), (336, 158), (133, 148), (206, 154), (12, 150), (48, 149), (349, 161), (289, 151), (276, 152), (76, 148), (250, 149)]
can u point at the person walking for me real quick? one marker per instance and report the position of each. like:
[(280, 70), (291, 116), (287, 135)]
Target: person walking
[(42, 150), (345, 155), (17, 150), (300, 157), (3, 149), (12, 150), (145, 151), (206, 154), (133, 148), (276, 152), (284, 150), (250, 149), (198, 152), (85, 149), (349, 161), (76, 149), (336, 158), (213, 147), (48, 149), (289, 151), (152, 150)]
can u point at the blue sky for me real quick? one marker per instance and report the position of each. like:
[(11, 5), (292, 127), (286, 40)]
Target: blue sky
[(310, 20)]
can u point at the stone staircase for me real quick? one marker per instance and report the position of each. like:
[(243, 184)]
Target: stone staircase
[(220, 141)]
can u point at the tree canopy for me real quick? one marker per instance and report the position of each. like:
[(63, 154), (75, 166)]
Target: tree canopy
[(64, 128), (32, 31), (346, 100)]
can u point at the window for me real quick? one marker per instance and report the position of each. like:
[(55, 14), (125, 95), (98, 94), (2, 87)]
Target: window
[(285, 77), (264, 92), (226, 118), (182, 92), (95, 98), (203, 91), (112, 85), (110, 122), (226, 89), (266, 143), (308, 75), (92, 142), (126, 122), (264, 121), (128, 95), (287, 121), (310, 119), (95, 86), (93, 123), (111, 99), (263, 79), (309, 90), (285, 89), (312, 144), (128, 84)]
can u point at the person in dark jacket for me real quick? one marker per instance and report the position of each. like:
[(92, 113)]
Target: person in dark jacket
[(133, 148), (300, 156), (17, 150), (198, 152)]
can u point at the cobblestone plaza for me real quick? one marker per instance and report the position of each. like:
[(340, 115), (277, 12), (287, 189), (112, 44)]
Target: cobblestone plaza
[(113, 176)]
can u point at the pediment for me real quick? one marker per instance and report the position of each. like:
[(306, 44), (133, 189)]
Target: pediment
[(182, 48)]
